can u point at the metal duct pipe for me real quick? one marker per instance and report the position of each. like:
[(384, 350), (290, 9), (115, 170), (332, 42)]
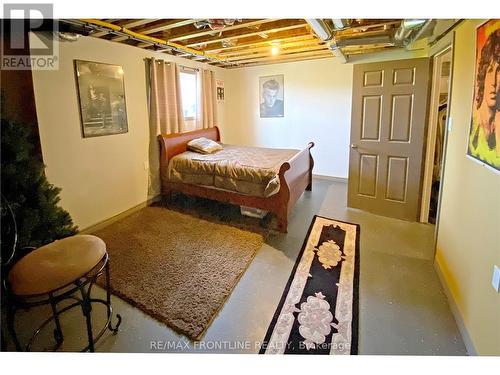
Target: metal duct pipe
[(420, 32), (70, 37), (411, 30), (320, 28), (407, 27), (341, 23)]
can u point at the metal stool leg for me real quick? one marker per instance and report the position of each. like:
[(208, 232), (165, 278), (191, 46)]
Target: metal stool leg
[(108, 302), (11, 311), (58, 334), (86, 309)]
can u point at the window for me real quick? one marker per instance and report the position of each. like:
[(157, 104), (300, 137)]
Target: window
[(188, 93)]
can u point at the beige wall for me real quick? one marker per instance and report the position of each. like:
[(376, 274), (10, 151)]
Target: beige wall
[(103, 176), (468, 242), (317, 108)]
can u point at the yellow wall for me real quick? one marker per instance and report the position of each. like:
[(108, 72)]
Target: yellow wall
[(468, 242), (103, 176)]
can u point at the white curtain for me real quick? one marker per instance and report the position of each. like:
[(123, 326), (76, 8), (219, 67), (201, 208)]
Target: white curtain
[(165, 114), (207, 108), (165, 101)]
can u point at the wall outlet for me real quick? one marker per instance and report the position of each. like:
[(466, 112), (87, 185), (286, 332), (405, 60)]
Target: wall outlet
[(495, 281)]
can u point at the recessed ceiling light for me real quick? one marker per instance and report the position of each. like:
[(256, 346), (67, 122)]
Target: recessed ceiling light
[(275, 50)]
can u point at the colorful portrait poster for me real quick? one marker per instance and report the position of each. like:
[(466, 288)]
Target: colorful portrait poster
[(484, 136)]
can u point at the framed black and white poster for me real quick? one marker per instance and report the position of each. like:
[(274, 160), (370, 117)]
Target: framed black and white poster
[(484, 135), (271, 93), (101, 96)]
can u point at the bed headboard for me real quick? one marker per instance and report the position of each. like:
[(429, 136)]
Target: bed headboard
[(176, 143)]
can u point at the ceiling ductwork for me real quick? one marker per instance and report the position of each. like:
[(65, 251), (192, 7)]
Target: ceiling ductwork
[(340, 24), (406, 28), (409, 31), (68, 37), (322, 30), (215, 23)]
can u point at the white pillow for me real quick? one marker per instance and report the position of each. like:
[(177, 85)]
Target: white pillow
[(204, 145)]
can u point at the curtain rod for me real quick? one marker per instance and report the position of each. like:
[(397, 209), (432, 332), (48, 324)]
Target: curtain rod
[(181, 66), (168, 62)]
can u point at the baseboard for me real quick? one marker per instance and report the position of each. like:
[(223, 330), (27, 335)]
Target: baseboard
[(330, 178), (456, 312), (111, 220)]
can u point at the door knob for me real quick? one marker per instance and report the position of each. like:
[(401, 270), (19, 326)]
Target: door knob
[(353, 145)]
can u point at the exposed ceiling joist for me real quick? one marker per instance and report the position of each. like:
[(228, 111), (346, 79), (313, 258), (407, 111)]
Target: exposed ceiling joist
[(283, 52), (105, 26), (288, 56), (128, 25), (172, 24), (267, 45), (250, 42), (246, 35), (225, 29), (260, 43), (270, 62)]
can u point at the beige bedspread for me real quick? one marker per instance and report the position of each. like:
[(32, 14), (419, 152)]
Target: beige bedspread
[(247, 170)]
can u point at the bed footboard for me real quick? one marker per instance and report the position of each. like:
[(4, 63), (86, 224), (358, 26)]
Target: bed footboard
[(295, 176)]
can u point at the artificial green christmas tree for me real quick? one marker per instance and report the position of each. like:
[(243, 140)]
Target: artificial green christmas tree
[(33, 199)]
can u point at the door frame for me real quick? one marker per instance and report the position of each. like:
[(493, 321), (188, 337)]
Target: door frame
[(431, 133)]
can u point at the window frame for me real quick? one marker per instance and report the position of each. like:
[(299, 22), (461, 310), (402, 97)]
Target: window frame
[(194, 72)]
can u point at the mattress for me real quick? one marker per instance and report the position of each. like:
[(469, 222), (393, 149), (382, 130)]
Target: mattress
[(246, 170)]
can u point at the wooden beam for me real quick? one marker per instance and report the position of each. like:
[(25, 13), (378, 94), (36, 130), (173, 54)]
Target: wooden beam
[(227, 28), (137, 23), (364, 34), (370, 50), (259, 43), (128, 25), (270, 61), (269, 44), (282, 52), (349, 49), (154, 29), (271, 31), (288, 56)]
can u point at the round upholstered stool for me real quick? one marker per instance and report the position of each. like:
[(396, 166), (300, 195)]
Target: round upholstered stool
[(55, 272)]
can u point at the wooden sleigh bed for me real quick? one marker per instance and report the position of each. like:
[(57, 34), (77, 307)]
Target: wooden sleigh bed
[(295, 176)]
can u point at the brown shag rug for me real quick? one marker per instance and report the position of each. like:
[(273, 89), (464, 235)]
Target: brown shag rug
[(177, 268)]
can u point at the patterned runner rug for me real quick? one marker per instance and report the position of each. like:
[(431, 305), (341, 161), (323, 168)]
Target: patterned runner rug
[(318, 312)]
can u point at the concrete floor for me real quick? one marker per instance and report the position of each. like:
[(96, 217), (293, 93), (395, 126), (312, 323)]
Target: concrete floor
[(403, 309)]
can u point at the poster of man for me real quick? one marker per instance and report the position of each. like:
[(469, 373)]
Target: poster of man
[(271, 96), (102, 98), (484, 137)]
